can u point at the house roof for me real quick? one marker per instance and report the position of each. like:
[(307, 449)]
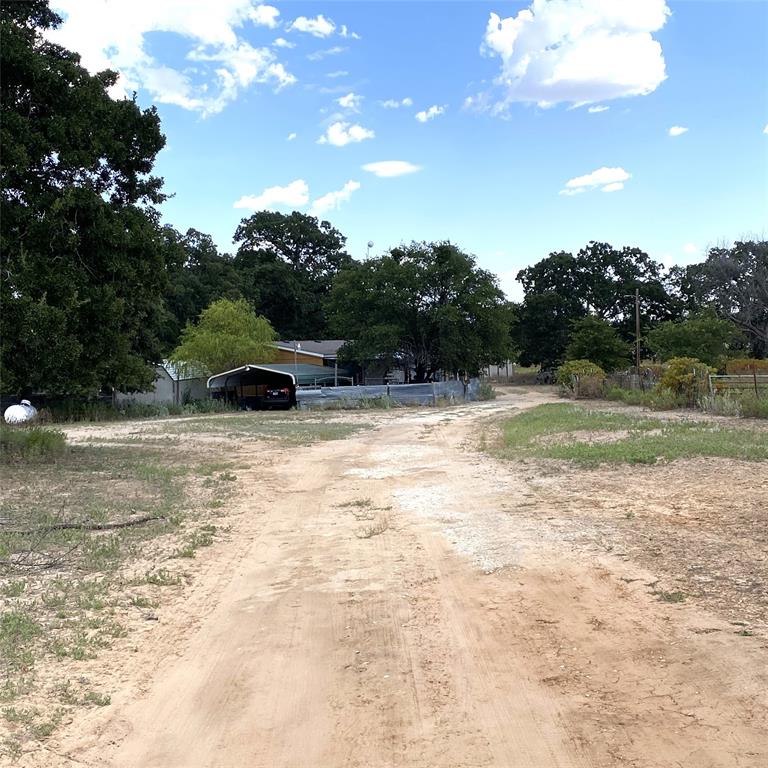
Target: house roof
[(326, 348), (301, 374)]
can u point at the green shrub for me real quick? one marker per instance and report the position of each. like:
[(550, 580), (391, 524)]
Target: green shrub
[(486, 391), (753, 407), (574, 370), (721, 404), (600, 340), (745, 404), (655, 399), (31, 443), (628, 396), (686, 377)]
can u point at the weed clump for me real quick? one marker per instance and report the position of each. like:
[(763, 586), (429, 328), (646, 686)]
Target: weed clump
[(486, 391), (31, 444)]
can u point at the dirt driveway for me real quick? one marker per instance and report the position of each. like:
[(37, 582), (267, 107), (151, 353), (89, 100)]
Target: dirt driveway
[(400, 599)]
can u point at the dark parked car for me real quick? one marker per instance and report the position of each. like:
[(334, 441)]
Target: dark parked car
[(278, 398)]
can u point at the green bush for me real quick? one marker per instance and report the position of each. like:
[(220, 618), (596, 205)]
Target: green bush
[(486, 391), (686, 377), (567, 372), (655, 399), (722, 405), (703, 336), (665, 400), (753, 407), (598, 339), (30, 444)]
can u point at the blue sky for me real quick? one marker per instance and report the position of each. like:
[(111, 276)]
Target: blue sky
[(537, 129)]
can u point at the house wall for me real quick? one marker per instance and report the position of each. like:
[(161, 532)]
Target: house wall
[(286, 356)]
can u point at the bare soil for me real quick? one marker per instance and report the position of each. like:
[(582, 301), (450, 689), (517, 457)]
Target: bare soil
[(399, 598)]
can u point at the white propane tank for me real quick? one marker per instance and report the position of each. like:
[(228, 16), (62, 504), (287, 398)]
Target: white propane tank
[(22, 413)]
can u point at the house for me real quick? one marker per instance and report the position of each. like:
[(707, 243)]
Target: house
[(171, 386), (308, 351)]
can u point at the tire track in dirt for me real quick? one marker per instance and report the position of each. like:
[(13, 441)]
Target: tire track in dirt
[(465, 632)]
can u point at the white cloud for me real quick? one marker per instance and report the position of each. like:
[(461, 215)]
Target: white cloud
[(598, 108), (576, 51), (344, 32), (243, 65), (338, 73), (608, 179), (295, 195), (112, 34), (318, 55), (333, 200), (390, 168), (508, 282), (318, 26), (351, 101), (290, 137), (264, 15), (281, 42), (395, 104), (690, 253), (765, 130), (340, 134), (429, 114), (677, 130)]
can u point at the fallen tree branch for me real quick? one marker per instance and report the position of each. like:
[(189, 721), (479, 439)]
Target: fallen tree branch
[(89, 526)]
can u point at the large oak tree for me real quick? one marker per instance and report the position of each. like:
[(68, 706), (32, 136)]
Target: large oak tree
[(426, 307), (287, 264), (83, 255), (598, 281)]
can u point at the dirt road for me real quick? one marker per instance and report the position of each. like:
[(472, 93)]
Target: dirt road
[(399, 599)]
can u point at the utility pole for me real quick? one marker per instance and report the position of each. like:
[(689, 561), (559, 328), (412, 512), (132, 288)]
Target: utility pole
[(637, 329)]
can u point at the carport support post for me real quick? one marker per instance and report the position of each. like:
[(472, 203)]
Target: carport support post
[(335, 371)]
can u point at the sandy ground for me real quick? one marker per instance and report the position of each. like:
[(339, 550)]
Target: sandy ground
[(400, 599)]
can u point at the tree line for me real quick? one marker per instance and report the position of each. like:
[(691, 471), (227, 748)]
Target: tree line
[(94, 289), (583, 306)]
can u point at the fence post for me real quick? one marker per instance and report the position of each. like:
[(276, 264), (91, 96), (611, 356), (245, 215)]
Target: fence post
[(754, 376)]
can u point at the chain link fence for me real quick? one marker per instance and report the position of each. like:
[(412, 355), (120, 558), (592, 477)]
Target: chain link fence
[(403, 394)]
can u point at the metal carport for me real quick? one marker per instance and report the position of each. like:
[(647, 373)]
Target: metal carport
[(247, 384)]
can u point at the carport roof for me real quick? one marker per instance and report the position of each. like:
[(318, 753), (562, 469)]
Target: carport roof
[(302, 374)]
